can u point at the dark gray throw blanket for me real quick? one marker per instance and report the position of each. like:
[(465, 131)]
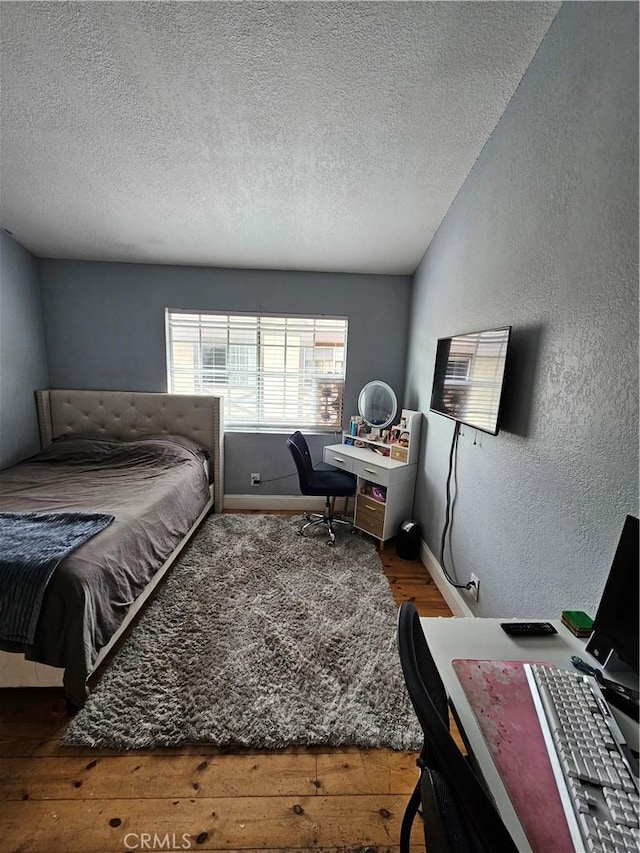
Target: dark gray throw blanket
[(31, 546)]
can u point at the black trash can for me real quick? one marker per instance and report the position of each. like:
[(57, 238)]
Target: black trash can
[(408, 540)]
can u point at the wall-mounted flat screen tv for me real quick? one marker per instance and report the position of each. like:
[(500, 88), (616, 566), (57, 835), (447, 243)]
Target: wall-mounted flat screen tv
[(469, 377)]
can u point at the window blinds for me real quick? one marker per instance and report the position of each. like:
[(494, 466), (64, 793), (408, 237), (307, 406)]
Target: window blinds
[(275, 373)]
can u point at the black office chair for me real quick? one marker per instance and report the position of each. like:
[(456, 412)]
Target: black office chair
[(458, 813), (329, 484)]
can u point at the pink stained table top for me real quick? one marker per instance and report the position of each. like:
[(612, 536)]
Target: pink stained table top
[(499, 696)]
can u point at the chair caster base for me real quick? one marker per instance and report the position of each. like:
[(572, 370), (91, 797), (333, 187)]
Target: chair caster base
[(313, 519)]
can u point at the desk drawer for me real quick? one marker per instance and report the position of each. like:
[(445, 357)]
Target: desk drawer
[(400, 454), (370, 516), (338, 460), (371, 471)]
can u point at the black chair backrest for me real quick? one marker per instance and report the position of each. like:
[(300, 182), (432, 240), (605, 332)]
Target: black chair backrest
[(299, 448), (440, 751), (412, 644)]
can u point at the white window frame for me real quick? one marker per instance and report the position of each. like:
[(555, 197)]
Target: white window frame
[(255, 401)]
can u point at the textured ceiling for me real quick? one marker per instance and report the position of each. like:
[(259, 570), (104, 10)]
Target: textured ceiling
[(299, 135)]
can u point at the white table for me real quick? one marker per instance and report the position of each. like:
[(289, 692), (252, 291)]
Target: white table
[(378, 518), (483, 639)]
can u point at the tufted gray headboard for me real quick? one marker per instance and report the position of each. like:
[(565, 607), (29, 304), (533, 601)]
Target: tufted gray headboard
[(127, 414)]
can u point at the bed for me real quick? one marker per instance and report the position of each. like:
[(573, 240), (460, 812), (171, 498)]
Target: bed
[(155, 463)]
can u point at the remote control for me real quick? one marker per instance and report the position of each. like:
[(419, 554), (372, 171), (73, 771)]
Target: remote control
[(528, 629)]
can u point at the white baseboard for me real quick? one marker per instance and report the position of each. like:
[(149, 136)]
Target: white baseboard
[(451, 595), (302, 503)]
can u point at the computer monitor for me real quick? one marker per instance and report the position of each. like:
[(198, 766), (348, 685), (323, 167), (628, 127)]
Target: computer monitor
[(616, 626)]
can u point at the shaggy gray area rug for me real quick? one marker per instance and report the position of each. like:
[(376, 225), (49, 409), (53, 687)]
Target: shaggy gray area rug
[(261, 638)]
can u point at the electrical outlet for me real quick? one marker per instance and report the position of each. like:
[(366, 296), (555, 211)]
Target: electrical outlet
[(474, 591), (255, 479)]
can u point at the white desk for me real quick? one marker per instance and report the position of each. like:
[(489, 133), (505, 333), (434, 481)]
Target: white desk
[(378, 518), (483, 639)]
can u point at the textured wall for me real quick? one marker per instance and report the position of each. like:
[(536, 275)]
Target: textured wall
[(23, 364), (544, 236), (105, 329)]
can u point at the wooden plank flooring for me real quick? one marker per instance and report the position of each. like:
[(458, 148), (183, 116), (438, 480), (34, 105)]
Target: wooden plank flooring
[(75, 800)]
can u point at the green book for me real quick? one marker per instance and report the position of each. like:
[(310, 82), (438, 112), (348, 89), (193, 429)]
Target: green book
[(577, 619)]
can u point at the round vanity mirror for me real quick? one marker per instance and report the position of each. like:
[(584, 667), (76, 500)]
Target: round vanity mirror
[(377, 404)]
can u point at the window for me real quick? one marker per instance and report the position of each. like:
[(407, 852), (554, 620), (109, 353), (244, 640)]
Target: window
[(273, 372), (214, 365), (458, 368)]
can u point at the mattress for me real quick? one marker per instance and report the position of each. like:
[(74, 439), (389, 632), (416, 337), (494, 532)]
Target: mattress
[(155, 487)]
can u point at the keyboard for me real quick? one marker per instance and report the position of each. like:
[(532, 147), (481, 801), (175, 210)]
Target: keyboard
[(596, 773)]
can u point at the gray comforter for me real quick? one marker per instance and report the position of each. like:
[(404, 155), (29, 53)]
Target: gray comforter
[(155, 487)]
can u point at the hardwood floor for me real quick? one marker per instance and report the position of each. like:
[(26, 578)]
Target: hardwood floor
[(76, 800)]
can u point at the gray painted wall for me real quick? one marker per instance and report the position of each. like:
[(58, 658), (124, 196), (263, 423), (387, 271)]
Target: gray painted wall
[(23, 363), (104, 327), (544, 236)]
